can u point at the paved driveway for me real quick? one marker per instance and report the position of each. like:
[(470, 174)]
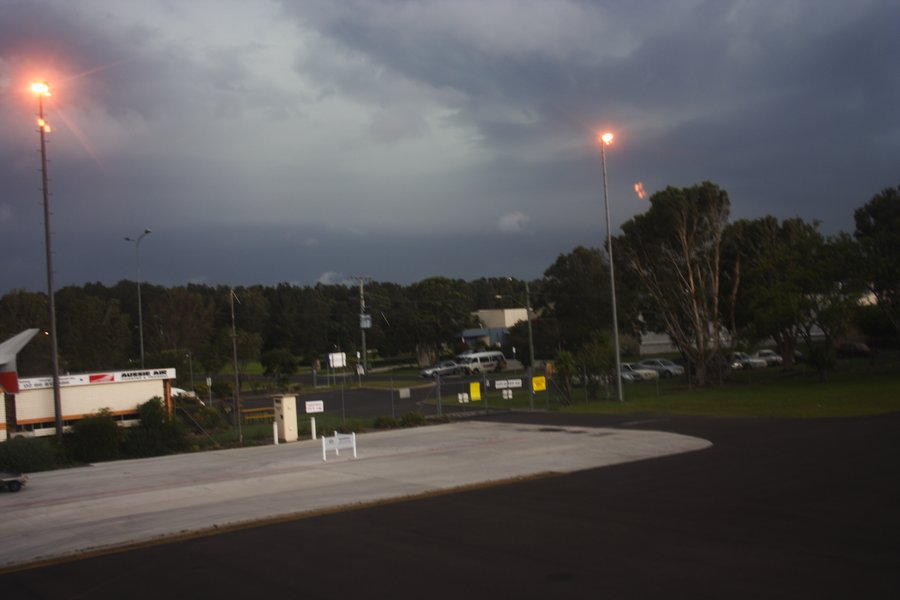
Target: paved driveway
[(773, 509), (66, 512)]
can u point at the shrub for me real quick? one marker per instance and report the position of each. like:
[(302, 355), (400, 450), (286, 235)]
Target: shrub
[(386, 423), (349, 426), (95, 438), (207, 418), (157, 434), (152, 414), (412, 419), (26, 455), (222, 389)]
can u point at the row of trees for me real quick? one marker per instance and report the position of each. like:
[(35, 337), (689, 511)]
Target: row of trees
[(191, 327), (682, 269), (711, 284)]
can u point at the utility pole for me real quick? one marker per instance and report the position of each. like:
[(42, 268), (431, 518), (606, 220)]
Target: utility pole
[(365, 320), (236, 409), (137, 260), (530, 347)]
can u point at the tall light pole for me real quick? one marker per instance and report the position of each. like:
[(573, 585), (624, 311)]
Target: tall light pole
[(41, 89), (530, 348), (137, 260), (605, 140), (236, 409)]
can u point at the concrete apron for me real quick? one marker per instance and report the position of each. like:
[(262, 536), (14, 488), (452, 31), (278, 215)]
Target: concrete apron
[(74, 512)]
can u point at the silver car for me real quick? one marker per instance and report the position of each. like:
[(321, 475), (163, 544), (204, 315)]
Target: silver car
[(665, 367), (443, 368), (742, 360), (633, 372), (770, 356)]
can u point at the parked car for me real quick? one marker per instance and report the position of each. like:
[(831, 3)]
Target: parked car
[(12, 481), (664, 367), (853, 349), (633, 372), (443, 368), (742, 360), (771, 357)]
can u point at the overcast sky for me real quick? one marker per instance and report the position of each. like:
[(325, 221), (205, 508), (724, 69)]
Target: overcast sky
[(303, 141)]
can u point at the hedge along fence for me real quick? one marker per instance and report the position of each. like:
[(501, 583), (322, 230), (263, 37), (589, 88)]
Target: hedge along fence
[(26, 455)]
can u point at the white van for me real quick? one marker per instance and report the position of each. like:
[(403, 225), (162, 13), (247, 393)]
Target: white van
[(482, 362)]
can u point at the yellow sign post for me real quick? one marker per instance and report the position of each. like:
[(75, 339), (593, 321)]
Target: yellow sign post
[(475, 391), (539, 384)]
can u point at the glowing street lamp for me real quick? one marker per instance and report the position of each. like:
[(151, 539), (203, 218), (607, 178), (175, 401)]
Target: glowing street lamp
[(606, 139), (42, 90), (137, 258)]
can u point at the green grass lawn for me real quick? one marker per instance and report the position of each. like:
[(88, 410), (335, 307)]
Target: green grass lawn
[(851, 391), (857, 388)]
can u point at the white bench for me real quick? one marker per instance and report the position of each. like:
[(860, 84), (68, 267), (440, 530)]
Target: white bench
[(338, 442)]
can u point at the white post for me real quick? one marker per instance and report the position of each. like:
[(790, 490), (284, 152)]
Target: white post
[(324, 456), (354, 444), (275, 431), (312, 426)]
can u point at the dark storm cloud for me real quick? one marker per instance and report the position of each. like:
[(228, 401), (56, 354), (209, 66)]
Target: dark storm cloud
[(770, 97), (291, 141)]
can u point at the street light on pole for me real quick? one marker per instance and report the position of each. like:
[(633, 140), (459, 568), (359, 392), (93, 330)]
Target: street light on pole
[(605, 140), (42, 90), (137, 259)]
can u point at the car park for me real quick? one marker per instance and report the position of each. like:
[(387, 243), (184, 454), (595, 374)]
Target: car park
[(742, 360), (633, 372), (771, 357), (664, 367), (442, 368)]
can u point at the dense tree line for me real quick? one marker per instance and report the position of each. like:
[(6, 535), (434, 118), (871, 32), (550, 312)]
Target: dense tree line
[(682, 268), (191, 327)]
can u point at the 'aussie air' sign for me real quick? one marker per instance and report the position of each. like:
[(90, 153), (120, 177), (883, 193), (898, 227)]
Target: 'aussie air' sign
[(97, 378)]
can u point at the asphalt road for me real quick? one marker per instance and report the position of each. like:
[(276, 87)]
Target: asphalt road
[(774, 509)]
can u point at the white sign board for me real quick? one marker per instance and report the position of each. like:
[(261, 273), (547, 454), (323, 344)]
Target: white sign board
[(337, 360), (97, 378), (502, 384), (315, 406), (340, 441)]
